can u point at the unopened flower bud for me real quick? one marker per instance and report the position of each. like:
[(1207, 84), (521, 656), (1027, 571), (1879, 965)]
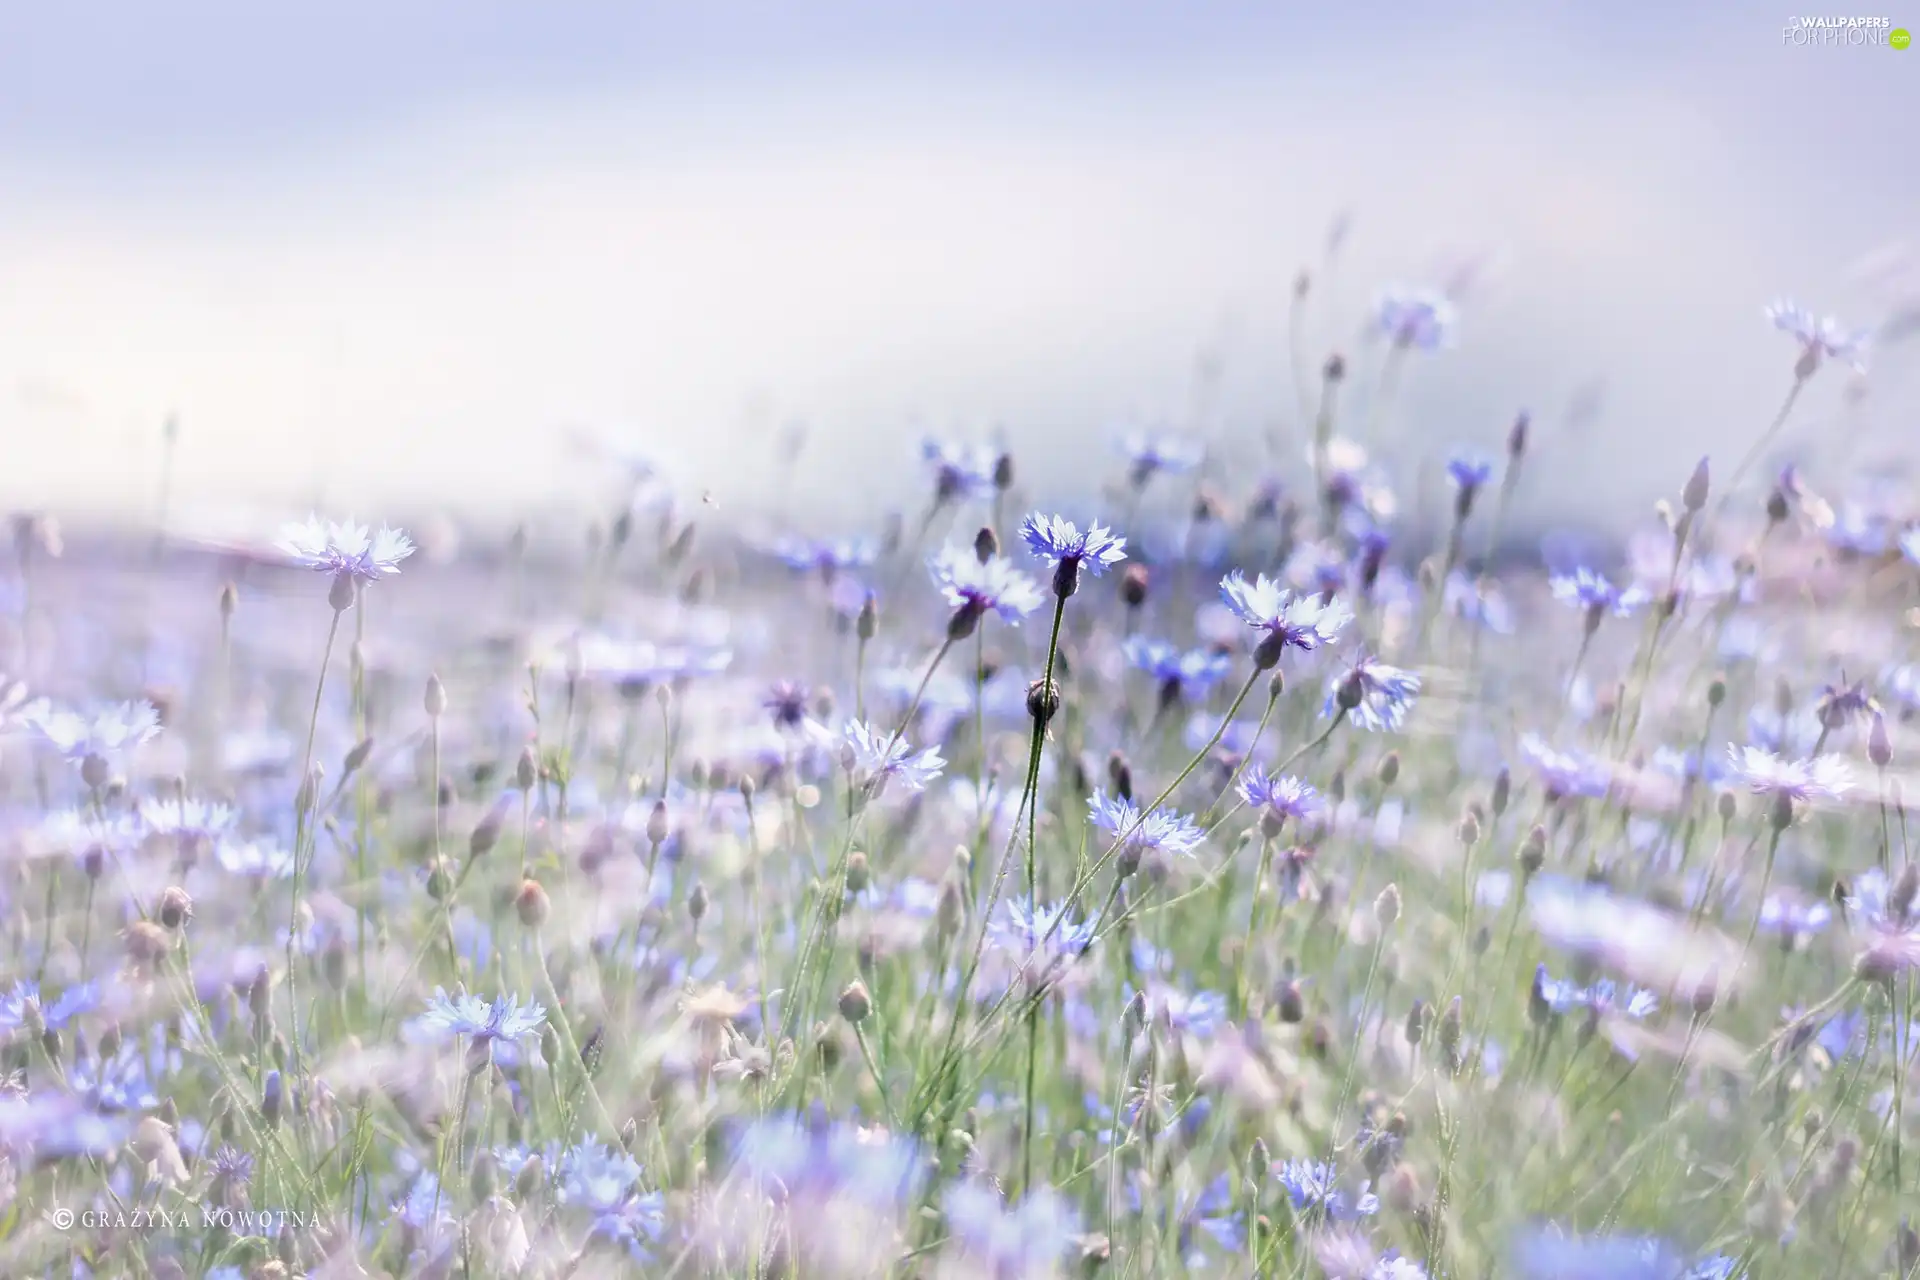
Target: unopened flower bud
[(855, 1003), (1133, 585), (340, 593), (1879, 745), (531, 904), (526, 770), (1533, 850), (1416, 1022), (859, 873), (1003, 472), (657, 823), (1717, 690), (229, 600), (1386, 907), (1468, 829), (1517, 437), (1502, 792), (868, 621), (697, 903), (1694, 495), (986, 544), (272, 1100), (435, 700), (1043, 702), (1726, 806)]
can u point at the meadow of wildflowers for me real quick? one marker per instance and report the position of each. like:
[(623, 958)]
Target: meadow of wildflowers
[(1226, 878)]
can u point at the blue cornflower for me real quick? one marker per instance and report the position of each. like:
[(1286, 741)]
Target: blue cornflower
[(604, 1182), (345, 550), (1280, 798), (116, 1084), (1162, 829), (185, 819), (264, 859), (636, 665), (1478, 600), (1066, 547), (1042, 940), (1189, 674), (795, 1159), (1820, 339), (103, 735), (1467, 475), (1197, 1013), (1565, 773), (1594, 595), (1764, 773), (974, 588), (1373, 695), (1844, 704), (787, 701), (879, 758), (1793, 917), (826, 557), (58, 1124), (1910, 545), (960, 471), (1289, 621), (1418, 318), (1602, 997), (1148, 453), (1314, 1188), (21, 1008), (468, 1015), (1026, 1239), (416, 1208)]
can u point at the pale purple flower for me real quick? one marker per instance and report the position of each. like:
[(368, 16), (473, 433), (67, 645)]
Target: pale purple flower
[(1060, 542), (1189, 674), (1386, 695), (104, 734), (345, 550), (1281, 797), (879, 758), (975, 587), (960, 471), (1289, 621), (1162, 829), (461, 1014), (1820, 338), (1418, 318), (1764, 773), (1595, 595), (1150, 452)]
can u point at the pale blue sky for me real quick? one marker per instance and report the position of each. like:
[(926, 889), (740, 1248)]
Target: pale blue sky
[(392, 250)]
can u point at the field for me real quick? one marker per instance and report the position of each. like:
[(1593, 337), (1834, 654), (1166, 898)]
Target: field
[(1213, 882)]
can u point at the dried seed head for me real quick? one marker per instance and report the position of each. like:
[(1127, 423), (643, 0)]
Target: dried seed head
[(146, 943), (176, 908)]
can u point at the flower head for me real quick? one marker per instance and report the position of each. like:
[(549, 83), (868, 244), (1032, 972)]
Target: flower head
[(1020, 1240), (1764, 773), (468, 1015), (1289, 621), (1280, 797), (1188, 674), (1418, 318), (1595, 595), (1148, 453), (1820, 339), (960, 471), (880, 758), (345, 550), (1314, 1188), (1162, 829), (1372, 695), (1067, 547), (974, 587), (103, 735)]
